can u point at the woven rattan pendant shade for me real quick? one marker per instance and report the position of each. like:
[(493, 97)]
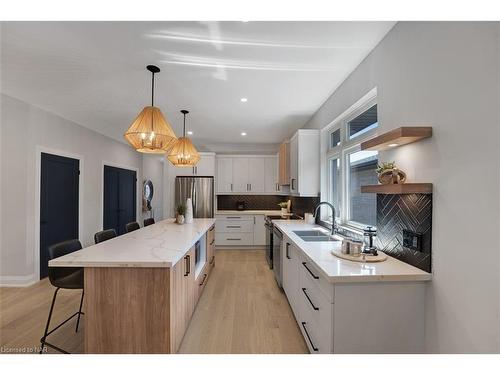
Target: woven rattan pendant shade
[(183, 153), (150, 132)]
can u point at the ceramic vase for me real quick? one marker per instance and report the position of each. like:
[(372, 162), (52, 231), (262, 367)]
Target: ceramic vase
[(189, 211)]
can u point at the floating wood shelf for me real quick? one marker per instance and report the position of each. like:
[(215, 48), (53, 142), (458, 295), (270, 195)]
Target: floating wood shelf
[(397, 137), (410, 188)]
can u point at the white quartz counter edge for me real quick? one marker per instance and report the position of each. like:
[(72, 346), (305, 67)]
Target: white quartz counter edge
[(337, 270), (159, 245), (248, 212)]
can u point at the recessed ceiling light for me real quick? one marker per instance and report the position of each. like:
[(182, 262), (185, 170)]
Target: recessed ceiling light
[(243, 134), (393, 145), (190, 132), (244, 100)]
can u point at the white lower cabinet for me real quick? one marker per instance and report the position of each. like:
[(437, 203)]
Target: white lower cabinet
[(358, 317), (290, 268), (240, 230), (312, 307)]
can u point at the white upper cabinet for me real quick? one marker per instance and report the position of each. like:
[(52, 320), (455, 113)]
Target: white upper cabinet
[(246, 174), (240, 174), (304, 163), (271, 175), (204, 167), (256, 177), (224, 174)]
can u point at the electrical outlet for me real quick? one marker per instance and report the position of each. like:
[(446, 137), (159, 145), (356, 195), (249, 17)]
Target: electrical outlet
[(412, 240)]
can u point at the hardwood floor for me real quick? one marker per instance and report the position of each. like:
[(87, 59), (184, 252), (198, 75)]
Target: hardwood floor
[(241, 311)]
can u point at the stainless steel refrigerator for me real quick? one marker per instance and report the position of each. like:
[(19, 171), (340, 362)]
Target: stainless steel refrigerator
[(201, 192)]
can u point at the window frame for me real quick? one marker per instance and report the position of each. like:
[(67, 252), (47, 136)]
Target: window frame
[(347, 146)]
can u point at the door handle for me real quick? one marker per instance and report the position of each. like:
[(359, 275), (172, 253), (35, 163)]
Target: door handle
[(293, 183), (312, 274), (187, 259), (309, 337), (204, 278), (309, 299)]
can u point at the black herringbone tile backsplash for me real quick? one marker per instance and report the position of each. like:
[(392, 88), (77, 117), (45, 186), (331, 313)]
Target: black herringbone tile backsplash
[(405, 211), (300, 205)]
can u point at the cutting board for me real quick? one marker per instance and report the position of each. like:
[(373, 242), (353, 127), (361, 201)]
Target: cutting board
[(363, 258)]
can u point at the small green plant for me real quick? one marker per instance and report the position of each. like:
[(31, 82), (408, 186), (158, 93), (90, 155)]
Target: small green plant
[(283, 204), (181, 209), (386, 166)]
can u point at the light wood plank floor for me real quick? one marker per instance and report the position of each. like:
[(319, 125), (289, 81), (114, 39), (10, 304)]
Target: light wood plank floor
[(241, 311)]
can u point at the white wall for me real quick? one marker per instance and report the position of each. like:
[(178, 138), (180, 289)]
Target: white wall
[(152, 169), (445, 75), (25, 129)]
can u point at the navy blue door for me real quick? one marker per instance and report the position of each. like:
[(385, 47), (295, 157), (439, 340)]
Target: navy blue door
[(59, 186), (119, 198)]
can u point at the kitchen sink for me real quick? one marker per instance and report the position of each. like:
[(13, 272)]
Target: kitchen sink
[(314, 236), (309, 233)]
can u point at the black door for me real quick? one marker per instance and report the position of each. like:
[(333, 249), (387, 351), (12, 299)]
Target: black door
[(58, 203), (119, 198)]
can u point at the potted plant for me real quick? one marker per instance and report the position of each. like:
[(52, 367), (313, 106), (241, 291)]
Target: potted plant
[(181, 211), (284, 207), (388, 173)]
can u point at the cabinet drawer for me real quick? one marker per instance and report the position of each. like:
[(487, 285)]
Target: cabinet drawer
[(231, 226), (309, 272), (317, 312), (233, 239), (242, 217), (319, 339)]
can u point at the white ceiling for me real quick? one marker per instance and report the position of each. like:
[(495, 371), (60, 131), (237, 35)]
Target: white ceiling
[(93, 73)]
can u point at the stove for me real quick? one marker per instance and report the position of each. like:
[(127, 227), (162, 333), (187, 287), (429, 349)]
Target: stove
[(269, 237)]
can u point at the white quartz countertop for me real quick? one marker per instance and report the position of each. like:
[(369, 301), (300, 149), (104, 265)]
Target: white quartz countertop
[(248, 212), (338, 270), (159, 245)]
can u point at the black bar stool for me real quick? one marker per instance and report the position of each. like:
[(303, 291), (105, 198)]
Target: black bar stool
[(130, 227), (104, 235), (63, 278), (149, 221)]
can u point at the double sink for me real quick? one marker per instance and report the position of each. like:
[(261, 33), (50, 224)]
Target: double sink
[(315, 235)]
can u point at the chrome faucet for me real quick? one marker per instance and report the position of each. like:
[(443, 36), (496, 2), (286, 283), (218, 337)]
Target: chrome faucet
[(333, 214)]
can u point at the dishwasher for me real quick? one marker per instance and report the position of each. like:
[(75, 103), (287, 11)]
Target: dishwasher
[(277, 264)]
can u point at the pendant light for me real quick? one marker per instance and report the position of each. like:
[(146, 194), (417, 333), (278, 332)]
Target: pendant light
[(183, 153), (150, 132)]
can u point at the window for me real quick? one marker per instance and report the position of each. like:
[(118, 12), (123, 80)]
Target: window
[(362, 171), (335, 185), (347, 167), (335, 138), (363, 123)]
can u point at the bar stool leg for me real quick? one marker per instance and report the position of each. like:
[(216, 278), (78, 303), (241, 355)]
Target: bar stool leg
[(48, 321), (79, 312)]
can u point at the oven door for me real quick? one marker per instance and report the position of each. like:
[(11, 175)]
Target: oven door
[(269, 244)]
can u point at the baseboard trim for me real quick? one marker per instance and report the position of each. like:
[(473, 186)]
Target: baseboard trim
[(17, 281)]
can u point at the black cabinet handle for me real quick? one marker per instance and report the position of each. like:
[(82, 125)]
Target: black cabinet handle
[(211, 243), (204, 278), (187, 258), (293, 183), (233, 217), (233, 239), (309, 299), (308, 337), (287, 250), (312, 274), (233, 226)]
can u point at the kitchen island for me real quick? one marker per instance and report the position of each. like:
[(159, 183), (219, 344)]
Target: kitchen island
[(141, 288), (343, 306)]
